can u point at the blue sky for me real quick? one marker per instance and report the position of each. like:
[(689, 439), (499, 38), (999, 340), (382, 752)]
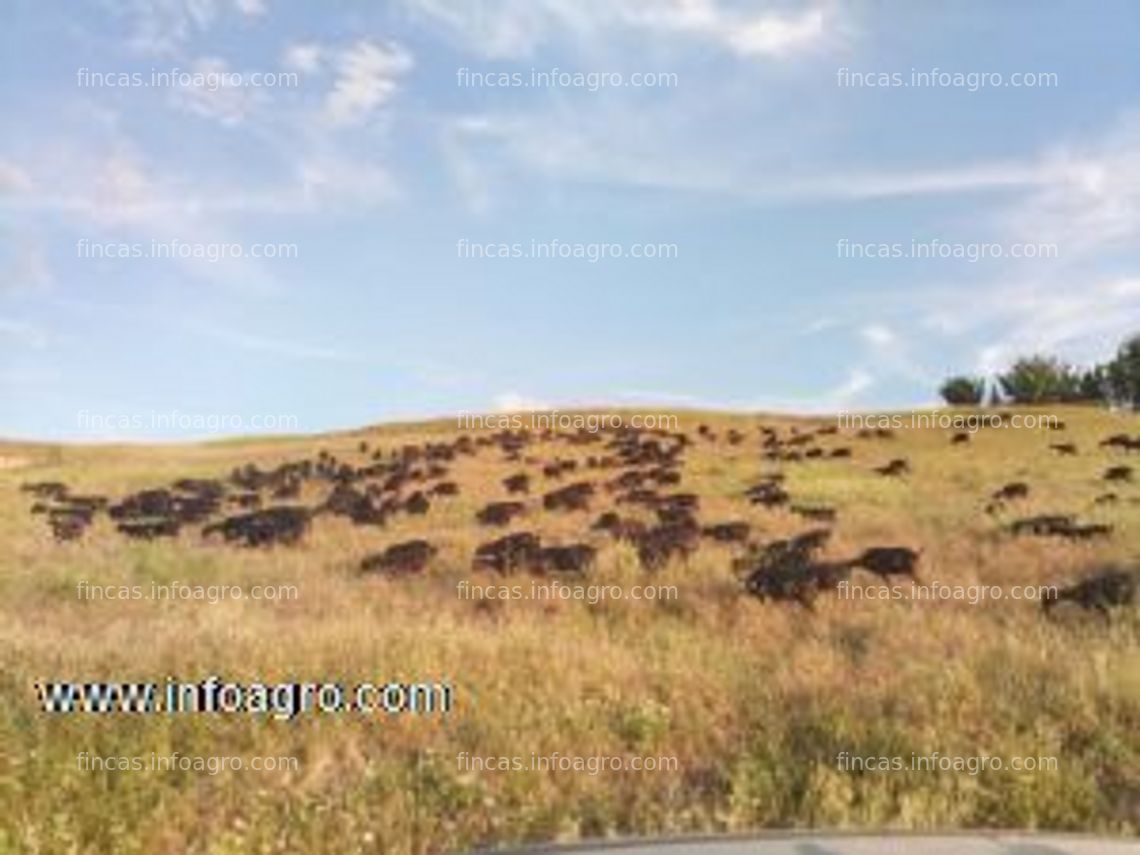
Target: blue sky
[(372, 163)]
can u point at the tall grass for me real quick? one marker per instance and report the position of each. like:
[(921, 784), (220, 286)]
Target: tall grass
[(755, 701)]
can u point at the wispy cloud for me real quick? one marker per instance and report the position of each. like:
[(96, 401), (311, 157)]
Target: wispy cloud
[(845, 394), (517, 28), (368, 76), (879, 335), (562, 144), (1093, 198), (512, 402), (1082, 323), (269, 345), (119, 195), (216, 91), (23, 333), (304, 57), (164, 26), (13, 179), (24, 269)]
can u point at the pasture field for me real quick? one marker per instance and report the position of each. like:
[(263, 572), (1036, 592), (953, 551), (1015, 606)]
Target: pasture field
[(744, 704)]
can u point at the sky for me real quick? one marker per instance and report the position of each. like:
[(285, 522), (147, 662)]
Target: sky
[(323, 215)]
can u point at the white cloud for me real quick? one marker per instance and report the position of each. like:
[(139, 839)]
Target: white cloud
[(1084, 324), (286, 348), (23, 333), (1093, 197), (516, 28), (512, 402), (164, 26), (118, 196), (121, 192), (842, 396), (1079, 198), (28, 270), (505, 29), (857, 382), (878, 335), (33, 377), (819, 325), (251, 8), (367, 78), (13, 179), (1085, 200), (893, 355), (216, 92), (118, 188), (775, 35), (757, 30), (668, 150), (336, 180), (305, 58)]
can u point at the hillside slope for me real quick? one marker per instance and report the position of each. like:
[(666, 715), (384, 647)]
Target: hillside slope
[(652, 648)]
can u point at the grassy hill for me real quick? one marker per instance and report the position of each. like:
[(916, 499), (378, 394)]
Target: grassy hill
[(753, 701)]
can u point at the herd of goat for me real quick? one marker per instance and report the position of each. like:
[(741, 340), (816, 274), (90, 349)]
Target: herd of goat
[(637, 474)]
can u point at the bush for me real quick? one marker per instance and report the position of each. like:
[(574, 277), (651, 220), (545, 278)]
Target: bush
[(963, 391), (1040, 380)]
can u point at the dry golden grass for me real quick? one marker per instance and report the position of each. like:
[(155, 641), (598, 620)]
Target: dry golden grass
[(754, 700)]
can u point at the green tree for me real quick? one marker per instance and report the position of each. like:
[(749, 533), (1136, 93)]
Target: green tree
[(963, 391), (1123, 374), (1040, 380), (1094, 384)]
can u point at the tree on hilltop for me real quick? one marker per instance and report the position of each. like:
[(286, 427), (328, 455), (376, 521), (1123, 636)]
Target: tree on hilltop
[(963, 391), (1040, 380), (1122, 374)]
